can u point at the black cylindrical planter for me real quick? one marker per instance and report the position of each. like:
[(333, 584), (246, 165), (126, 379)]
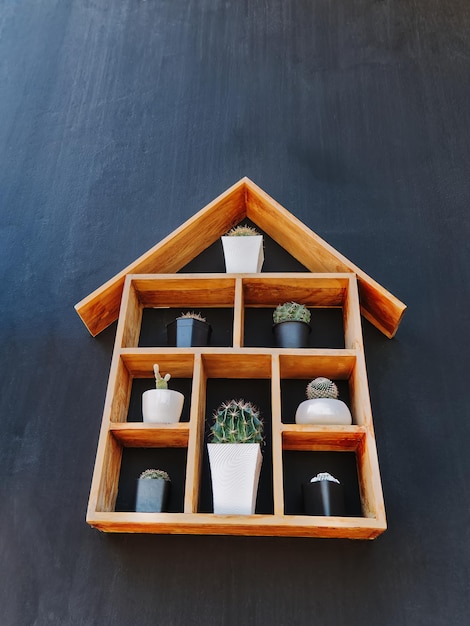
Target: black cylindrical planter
[(291, 334), (323, 497), (152, 495), (188, 332)]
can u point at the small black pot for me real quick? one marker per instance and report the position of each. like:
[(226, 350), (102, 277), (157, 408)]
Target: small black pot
[(188, 332), (152, 495), (323, 497), (291, 334)]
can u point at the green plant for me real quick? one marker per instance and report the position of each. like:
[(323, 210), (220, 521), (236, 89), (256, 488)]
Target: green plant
[(243, 231), (321, 388), (191, 315), (160, 383), (291, 312), (237, 421), (155, 474)]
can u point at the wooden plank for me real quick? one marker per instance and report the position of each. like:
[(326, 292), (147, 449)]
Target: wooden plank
[(278, 482), (196, 438), (238, 315), (321, 438), (237, 365), (140, 435), (139, 361), (370, 485), (101, 308), (185, 290), (313, 290), (378, 305), (335, 364), (242, 525)]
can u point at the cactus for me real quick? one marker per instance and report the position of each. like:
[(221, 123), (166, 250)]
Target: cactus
[(324, 476), (155, 474), (160, 383), (243, 231), (291, 312), (321, 388), (191, 315), (237, 421)]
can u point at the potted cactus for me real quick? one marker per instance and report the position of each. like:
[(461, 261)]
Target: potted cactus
[(243, 250), (323, 495), (291, 325), (153, 491), (322, 406), (188, 330), (162, 405), (235, 457)]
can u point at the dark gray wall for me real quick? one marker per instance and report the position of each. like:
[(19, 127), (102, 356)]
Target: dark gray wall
[(119, 120)]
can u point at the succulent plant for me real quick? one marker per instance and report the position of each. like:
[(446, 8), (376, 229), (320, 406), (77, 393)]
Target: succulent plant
[(243, 231), (237, 421), (160, 383), (155, 474), (324, 476), (321, 387), (191, 315), (291, 312)]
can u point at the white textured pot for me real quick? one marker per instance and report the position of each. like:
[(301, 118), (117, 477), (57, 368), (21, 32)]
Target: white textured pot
[(323, 411), (162, 406), (243, 255), (235, 470)]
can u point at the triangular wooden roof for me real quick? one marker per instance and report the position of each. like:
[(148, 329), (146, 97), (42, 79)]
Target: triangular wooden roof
[(244, 200)]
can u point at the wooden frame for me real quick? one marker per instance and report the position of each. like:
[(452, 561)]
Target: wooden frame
[(199, 365), (243, 200)]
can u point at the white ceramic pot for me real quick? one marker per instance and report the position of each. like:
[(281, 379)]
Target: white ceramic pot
[(235, 470), (243, 255), (162, 406), (323, 411)]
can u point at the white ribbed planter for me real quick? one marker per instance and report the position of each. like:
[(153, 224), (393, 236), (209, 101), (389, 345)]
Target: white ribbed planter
[(235, 470), (323, 411), (243, 255), (162, 406)]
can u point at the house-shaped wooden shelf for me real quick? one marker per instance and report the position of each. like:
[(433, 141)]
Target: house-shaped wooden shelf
[(152, 287)]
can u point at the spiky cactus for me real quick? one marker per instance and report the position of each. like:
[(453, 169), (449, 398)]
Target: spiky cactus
[(160, 383), (192, 316), (324, 476), (243, 231), (237, 421), (155, 474), (321, 387), (291, 312)]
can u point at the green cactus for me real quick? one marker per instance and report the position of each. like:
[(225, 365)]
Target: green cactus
[(321, 388), (237, 421), (160, 383), (155, 474), (291, 312), (243, 231)]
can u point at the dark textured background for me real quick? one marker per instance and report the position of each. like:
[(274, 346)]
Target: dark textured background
[(121, 119)]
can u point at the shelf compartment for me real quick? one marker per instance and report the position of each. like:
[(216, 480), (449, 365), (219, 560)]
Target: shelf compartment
[(313, 290), (139, 361), (322, 438), (151, 436), (334, 364)]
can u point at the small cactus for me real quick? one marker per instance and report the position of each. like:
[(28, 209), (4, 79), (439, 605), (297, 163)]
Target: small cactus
[(191, 315), (324, 476), (155, 474), (160, 383), (237, 421), (243, 231), (321, 388), (291, 312)]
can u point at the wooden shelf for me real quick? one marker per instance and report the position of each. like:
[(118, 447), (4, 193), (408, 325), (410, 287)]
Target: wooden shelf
[(207, 368)]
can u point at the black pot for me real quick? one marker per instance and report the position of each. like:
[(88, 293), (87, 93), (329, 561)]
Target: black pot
[(323, 497), (188, 332), (291, 334), (152, 495)]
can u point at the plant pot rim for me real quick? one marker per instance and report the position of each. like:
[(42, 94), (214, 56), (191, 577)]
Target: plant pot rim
[(187, 320), (293, 321)]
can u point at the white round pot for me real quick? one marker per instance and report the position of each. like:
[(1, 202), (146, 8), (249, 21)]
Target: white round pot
[(162, 406), (235, 470), (323, 411), (243, 255)]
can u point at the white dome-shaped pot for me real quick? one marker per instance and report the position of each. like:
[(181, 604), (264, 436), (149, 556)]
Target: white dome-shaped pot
[(162, 406), (323, 411)]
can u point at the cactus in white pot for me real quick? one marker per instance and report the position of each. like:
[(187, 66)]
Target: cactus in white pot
[(243, 250), (322, 406), (162, 405)]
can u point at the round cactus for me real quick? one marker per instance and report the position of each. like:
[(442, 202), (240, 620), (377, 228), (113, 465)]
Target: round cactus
[(243, 231), (321, 388), (155, 474), (291, 312), (237, 421)]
